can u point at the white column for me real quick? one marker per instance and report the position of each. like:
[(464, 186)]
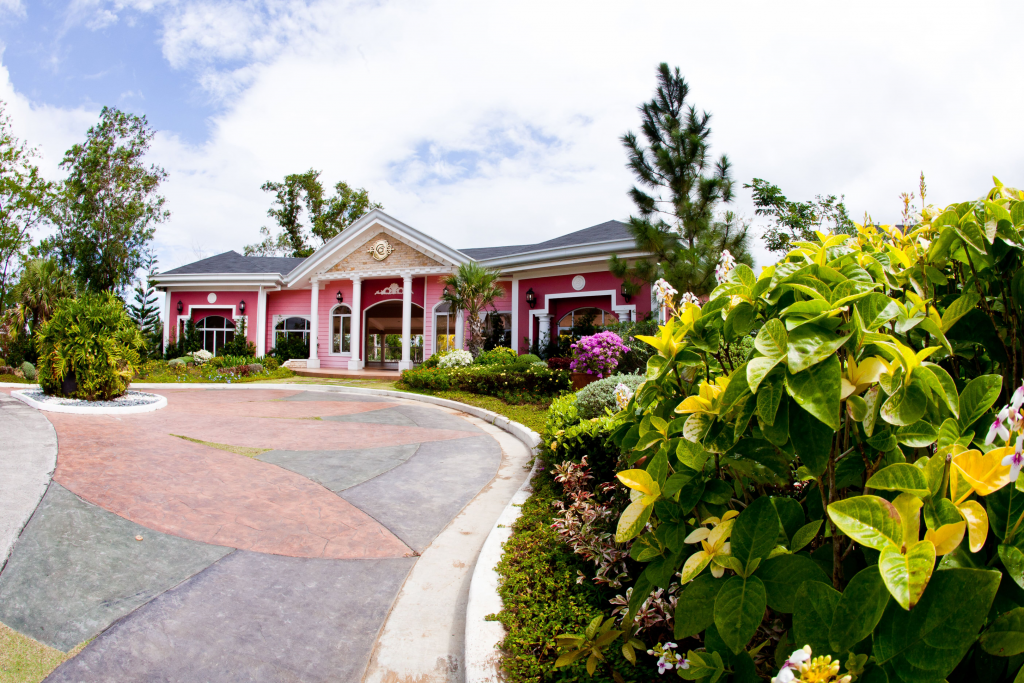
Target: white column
[(356, 340), (460, 332), (515, 315), (168, 323), (545, 330), (406, 363), (314, 323), (261, 322)]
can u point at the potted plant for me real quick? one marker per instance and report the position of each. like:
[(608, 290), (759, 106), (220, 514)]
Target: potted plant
[(595, 357)]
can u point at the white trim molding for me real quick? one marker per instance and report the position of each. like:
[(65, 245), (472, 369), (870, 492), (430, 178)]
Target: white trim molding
[(618, 309)]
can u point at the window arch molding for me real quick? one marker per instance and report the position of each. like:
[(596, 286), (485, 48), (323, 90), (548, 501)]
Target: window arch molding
[(215, 331), (341, 329)]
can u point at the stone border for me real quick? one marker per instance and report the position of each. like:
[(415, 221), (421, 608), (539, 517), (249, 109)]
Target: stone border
[(482, 636), (89, 410)]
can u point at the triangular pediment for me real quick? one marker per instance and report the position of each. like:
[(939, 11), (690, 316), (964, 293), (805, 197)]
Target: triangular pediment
[(384, 250)]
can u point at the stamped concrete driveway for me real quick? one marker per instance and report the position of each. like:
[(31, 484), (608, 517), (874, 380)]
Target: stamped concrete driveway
[(277, 528)]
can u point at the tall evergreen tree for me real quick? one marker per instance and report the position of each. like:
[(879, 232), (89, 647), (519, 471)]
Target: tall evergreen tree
[(143, 309), (679, 191)]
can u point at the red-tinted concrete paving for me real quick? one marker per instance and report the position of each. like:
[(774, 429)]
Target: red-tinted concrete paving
[(132, 466)]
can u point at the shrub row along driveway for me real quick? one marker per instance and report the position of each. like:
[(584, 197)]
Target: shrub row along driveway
[(277, 528)]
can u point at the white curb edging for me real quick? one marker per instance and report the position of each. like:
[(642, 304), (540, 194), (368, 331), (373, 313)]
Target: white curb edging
[(89, 410)]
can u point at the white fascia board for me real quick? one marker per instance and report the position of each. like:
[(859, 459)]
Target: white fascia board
[(361, 226), (599, 262), (561, 253), (214, 280)]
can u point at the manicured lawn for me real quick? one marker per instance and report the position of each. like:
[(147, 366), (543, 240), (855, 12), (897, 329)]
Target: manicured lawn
[(15, 379), (23, 660)]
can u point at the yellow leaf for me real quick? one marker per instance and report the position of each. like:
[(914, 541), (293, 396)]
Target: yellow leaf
[(909, 507), (639, 480), (693, 566), (698, 534), (984, 473), (977, 523), (694, 404), (947, 537), (719, 534)]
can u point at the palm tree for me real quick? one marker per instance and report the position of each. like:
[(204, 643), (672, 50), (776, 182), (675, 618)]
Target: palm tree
[(470, 290), (43, 283)]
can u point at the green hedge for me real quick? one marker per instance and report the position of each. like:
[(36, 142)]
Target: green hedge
[(516, 381)]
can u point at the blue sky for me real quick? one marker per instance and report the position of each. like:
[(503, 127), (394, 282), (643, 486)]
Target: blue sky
[(486, 123)]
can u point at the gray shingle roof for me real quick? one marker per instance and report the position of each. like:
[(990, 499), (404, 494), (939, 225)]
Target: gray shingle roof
[(605, 232), (233, 262)]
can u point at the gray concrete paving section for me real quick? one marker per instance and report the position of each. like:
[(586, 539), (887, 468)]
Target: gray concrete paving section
[(251, 617), (417, 499), (339, 470), (409, 415), (77, 568), (28, 454), (334, 396)]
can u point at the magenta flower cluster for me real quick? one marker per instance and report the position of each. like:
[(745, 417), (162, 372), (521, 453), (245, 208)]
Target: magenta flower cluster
[(598, 354)]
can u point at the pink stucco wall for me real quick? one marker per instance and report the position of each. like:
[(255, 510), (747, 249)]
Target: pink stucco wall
[(198, 305), (288, 303)]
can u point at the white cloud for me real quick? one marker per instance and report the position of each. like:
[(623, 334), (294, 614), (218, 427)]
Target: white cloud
[(12, 7), (488, 124)]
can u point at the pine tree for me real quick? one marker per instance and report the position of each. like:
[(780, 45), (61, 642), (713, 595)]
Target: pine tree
[(680, 188), (144, 310)]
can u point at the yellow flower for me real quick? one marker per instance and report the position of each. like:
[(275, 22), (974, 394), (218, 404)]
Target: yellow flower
[(705, 401), (972, 471), (714, 543), (859, 377)]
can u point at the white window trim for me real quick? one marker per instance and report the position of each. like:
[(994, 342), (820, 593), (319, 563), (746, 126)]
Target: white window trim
[(330, 331), (617, 308), (279, 318)]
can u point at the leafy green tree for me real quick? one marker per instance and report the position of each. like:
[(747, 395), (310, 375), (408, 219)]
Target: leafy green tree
[(23, 197), (471, 289), (680, 188), (797, 221), (327, 215), (107, 209)]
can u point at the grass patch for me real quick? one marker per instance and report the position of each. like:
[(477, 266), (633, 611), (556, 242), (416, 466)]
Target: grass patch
[(238, 450), (160, 371), (541, 599), (23, 660), (17, 380)]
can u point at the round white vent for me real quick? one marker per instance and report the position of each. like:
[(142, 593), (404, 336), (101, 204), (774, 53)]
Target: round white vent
[(211, 298), (579, 282)]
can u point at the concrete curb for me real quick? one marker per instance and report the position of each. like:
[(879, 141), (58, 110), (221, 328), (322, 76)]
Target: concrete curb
[(88, 410)]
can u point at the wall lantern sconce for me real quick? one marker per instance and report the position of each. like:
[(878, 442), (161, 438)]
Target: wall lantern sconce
[(241, 306), (531, 298), (180, 307), (339, 297), (625, 293)]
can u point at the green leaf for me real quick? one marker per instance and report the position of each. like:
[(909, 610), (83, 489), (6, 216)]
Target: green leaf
[(697, 426), (876, 309), (971, 233), (1013, 562), (1005, 637), (758, 368), (859, 610), (810, 344), (858, 408), (739, 320), (817, 390), (739, 609), (977, 397), (868, 520), (926, 643), (754, 532), (772, 339), (945, 382), (959, 308), (791, 515), (917, 435), (695, 607), (783, 575), (778, 432), (901, 477), (812, 440), (906, 406), (703, 666), (805, 535), (632, 521), (769, 397), (814, 607), (907, 575), (736, 390), (692, 455)]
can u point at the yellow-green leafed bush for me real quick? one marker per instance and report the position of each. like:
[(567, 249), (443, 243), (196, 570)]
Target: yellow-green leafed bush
[(90, 348)]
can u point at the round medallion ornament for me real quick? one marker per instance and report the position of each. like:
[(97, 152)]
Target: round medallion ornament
[(211, 297), (380, 250), (579, 282)]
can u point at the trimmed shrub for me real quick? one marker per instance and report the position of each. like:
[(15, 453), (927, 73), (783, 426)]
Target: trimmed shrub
[(530, 358), (593, 399), (492, 380), (29, 370), (179, 361), (291, 347), (89, 349), (499, 355)]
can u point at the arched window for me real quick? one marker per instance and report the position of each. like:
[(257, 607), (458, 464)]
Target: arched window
[(292, 327), (341, 329), (215, 331), (572, 318)]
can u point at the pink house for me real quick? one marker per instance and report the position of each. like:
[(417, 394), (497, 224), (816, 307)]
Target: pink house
[(379, 281)]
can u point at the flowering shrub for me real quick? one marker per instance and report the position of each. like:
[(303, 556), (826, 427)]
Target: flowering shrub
[(455, 359), (201, 356), (598, 354)]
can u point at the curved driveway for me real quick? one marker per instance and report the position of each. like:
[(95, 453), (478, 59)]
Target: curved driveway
[(277, 528)]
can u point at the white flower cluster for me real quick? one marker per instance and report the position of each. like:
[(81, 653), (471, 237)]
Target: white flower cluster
[(456, 359), (724, 266), (690, 298), (667, 658), (801, 667), (1008, 422), (665, 292), (201, 356), (622, 395)]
